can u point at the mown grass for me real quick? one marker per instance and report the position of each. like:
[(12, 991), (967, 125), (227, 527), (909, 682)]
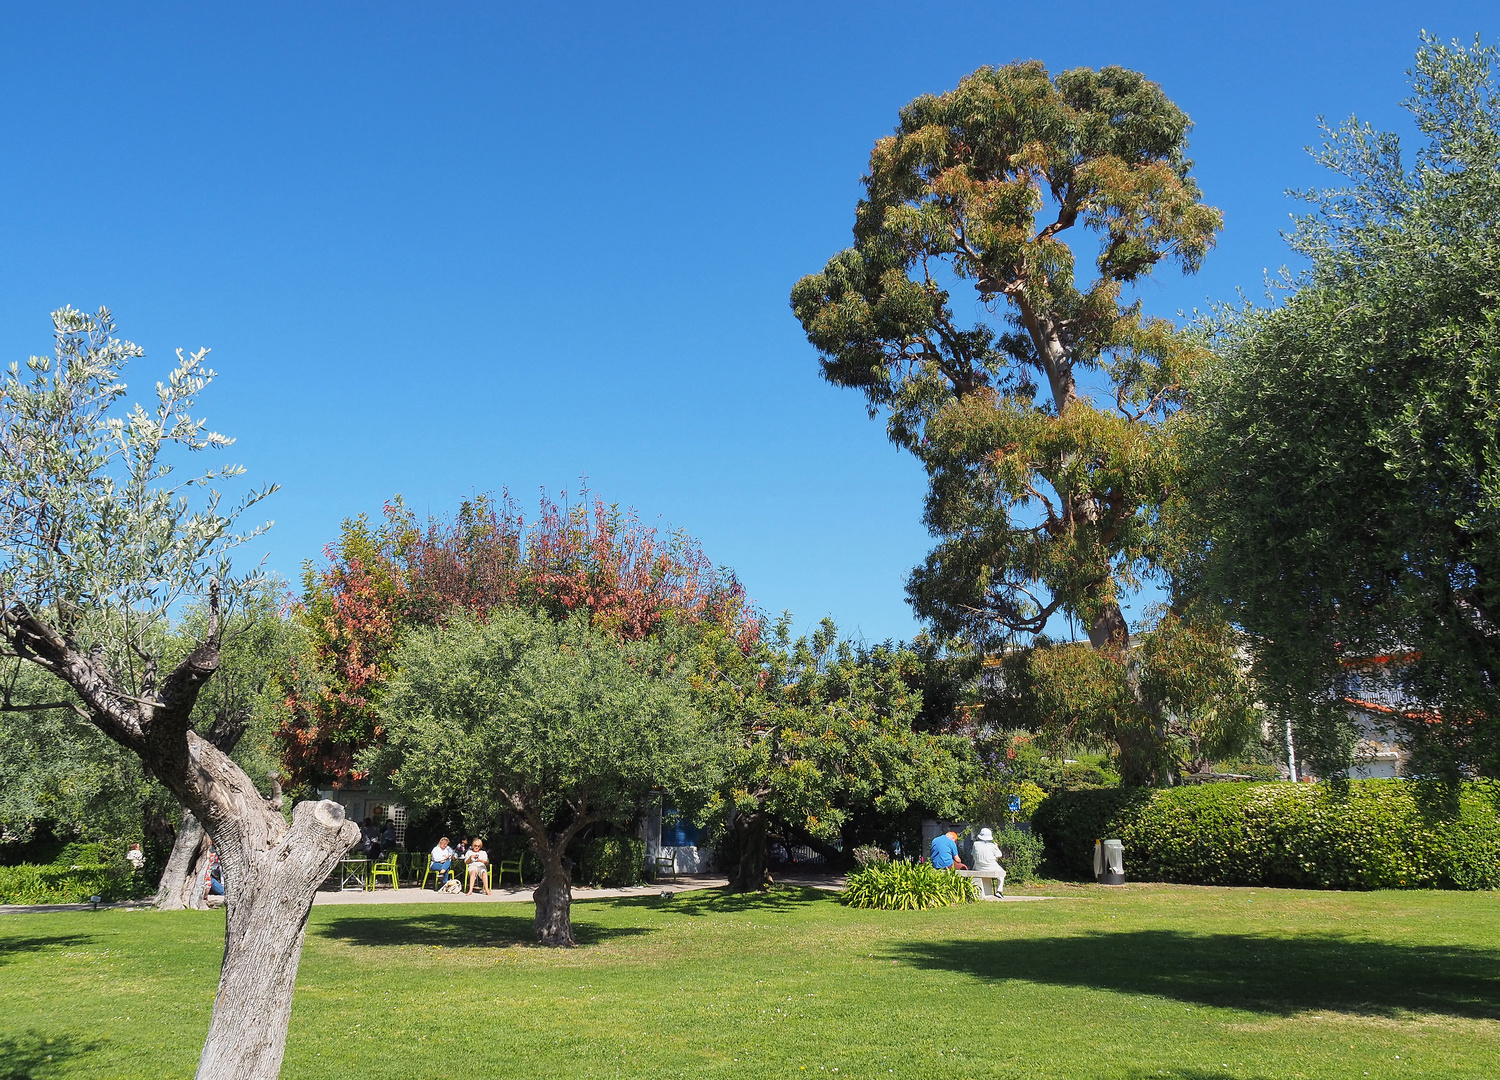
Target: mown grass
[(1144, 981)]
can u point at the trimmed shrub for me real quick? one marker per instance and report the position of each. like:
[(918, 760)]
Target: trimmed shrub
[(57, 884), (907, 886), (612, 862), (1363, 834)]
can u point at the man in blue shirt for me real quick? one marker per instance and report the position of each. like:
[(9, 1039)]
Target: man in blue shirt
[(945, 852)]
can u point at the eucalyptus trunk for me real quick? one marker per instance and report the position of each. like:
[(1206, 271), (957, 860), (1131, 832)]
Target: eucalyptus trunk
[(750, 837)]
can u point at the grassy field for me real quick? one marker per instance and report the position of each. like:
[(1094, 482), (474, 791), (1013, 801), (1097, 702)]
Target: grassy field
[(1144, 981)]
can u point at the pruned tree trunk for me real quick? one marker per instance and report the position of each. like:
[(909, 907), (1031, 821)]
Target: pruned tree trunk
[(554, 903), (269, 890), (750, 837), (270, 868), (179, 879)]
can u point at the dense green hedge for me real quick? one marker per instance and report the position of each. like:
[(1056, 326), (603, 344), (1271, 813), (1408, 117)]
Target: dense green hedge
[(612, 862), (1366, 834), (31, 884)]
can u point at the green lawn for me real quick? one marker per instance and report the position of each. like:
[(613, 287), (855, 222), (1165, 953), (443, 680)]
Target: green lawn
[(1138, 982)]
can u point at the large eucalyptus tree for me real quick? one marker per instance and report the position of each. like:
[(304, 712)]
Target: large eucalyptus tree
[(100, 538), (1036, 405)]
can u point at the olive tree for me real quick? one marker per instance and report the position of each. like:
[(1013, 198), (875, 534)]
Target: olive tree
[(100, 539), (557, 723), (1343, 459)]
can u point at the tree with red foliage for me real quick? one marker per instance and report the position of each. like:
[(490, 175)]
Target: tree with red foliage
[(382, 579)]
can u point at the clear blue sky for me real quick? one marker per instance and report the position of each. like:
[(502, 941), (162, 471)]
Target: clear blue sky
[(440, 249)]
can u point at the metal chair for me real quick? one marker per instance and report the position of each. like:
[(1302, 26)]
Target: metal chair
[(509, 866), (385, 868), (428, 871)]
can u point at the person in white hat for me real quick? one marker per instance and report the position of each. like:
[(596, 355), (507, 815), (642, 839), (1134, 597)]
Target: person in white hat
[(987, 861)]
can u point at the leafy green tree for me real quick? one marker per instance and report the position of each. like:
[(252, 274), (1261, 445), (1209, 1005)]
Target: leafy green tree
[(1345, 454), (1039, 422), (100, 538), (823, 737), (557, 723)]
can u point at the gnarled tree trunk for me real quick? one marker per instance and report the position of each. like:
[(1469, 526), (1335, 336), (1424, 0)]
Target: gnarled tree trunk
[(270, 868), (554, 903), (554, 896), (181, 885), (269, 883)]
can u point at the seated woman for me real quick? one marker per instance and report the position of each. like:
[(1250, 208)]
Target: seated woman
[(478, 863), (987, 863), (442, 862)]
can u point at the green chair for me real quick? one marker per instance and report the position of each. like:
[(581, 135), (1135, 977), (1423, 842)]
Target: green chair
[(386, 868), (428, 871), (509, 866)]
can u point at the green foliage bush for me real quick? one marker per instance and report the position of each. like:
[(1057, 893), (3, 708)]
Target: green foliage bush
[(1364, 834), (612, 862), (990, 803), (906, 886), (1022, 854), (78, 853), (66, 884)]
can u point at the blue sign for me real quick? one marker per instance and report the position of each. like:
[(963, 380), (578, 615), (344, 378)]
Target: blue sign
[(1015, 804)]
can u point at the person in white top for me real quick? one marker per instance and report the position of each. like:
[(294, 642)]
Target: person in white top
[(478, 861), (442, 862), (136, 856), (987, 862)]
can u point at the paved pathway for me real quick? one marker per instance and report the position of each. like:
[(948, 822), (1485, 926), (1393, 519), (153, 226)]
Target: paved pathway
[(514, 894)]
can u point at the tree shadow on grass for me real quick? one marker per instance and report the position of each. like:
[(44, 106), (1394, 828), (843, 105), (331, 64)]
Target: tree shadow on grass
[(702, 902), (455, 930), (11, 947), (1276, 975), (36, 1057)]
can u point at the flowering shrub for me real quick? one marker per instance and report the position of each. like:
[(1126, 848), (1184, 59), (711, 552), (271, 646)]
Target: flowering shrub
[(869, 853), (906, 886), (1367, 834)]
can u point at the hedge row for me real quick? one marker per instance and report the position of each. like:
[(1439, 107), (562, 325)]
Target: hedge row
[(31, 884), (1366, 834)]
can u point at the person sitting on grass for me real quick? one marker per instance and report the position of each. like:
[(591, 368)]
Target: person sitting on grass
[(478, 862), (442, 862), (945, 852)]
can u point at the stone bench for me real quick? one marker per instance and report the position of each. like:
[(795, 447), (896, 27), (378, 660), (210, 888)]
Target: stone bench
[(992, 891)]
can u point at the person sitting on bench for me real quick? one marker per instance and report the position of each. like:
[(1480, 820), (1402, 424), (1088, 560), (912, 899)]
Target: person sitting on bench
[(986, 857)]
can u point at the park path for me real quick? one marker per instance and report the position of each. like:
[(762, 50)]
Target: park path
[(512, 895)]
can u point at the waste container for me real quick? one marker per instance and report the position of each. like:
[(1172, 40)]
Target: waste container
[(1109, 862)]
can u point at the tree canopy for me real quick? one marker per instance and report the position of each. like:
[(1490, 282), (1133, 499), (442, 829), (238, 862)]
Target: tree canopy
[(1041, 422), (1345, 455), (557, 723), (382, 579), (824, 739)]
